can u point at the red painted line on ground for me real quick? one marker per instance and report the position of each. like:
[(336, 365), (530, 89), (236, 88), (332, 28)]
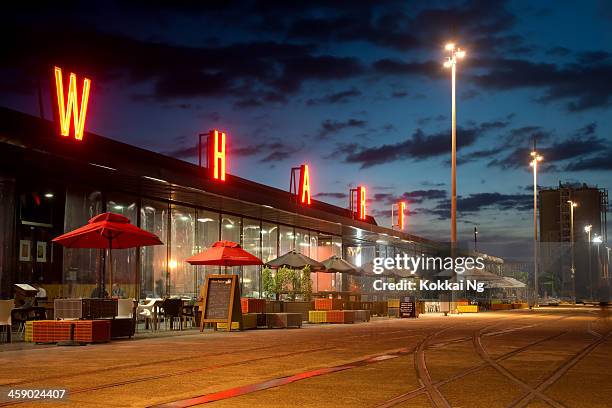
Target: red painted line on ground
[(276, 382)]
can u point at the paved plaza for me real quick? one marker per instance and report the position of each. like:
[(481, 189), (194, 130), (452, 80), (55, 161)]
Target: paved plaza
[(552, 357)]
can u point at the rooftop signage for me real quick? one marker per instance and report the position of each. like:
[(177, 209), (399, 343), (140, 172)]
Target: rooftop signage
[(69, 107), (217, 154), (401, 207), (304, 191)]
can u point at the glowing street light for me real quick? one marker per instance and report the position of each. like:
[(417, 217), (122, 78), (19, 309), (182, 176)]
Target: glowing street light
[(588, 229), (535, 158), (455, 53), (573, 269)]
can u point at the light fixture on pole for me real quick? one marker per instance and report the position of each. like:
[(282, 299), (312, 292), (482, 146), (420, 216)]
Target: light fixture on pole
[(588, 230), (573, 269), (455, 53), (535, 158)]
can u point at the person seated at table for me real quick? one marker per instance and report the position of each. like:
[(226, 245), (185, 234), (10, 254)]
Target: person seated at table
[(117, 291), (97, 293), (42, 293)]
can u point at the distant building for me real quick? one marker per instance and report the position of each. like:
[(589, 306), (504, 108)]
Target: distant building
[(590, 259)]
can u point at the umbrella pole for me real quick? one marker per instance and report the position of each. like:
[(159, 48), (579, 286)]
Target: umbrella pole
[(110, 257), (103, 277), (102, 274)]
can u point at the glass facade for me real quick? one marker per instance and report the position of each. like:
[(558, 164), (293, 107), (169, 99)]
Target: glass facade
[(207, 233), (181, 275), (82, 267), (153, 265), (286, 239), (251, 241), (122, 272), (160, 271)]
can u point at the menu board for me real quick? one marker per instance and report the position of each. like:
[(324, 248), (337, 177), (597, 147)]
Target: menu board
[(218, 299), (407, 309), (221, 301)]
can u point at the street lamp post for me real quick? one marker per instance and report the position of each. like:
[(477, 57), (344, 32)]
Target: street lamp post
[(455, 53), (588, 229), (573, 269), (534, 163)]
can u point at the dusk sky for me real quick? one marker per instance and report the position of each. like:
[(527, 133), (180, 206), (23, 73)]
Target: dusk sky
[(355, 88)]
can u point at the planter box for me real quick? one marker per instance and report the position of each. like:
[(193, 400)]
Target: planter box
[(362, 315), (328, 304), (283, 320), (520, 305), (317, 316), (341, 316), (302, 307), (274, 306), (87, 331), (501, 306), (467, 309), (251, 305), (392, 303)]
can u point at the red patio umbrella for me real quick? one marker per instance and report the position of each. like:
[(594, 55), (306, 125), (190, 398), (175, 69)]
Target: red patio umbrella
[(108, 231), (224, 253)]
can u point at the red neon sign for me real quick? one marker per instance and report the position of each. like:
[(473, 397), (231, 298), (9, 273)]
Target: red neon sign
[(71, 108), (401, 206), (217, 154), (361, 202), (304, 191)]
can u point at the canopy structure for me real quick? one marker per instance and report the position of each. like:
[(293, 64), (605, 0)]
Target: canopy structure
[(476, 274), (224, 253), (506, 283), (108, 231), (339, 265), (368, 270), (295, 260)]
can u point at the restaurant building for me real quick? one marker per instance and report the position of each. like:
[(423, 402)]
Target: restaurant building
[(50, 184)]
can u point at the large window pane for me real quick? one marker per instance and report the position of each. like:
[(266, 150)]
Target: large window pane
[(230, 231), (252, 243), (287, 240), (153, 259), (124, 260), (81, 266), (207, 233), (269, 236), (182, 239), (302, 241)]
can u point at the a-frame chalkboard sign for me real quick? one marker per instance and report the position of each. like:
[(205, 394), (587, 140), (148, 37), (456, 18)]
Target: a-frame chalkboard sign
[(221, 301)]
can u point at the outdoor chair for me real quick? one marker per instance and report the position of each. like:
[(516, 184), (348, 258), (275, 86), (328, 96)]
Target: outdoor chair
[(147, 311), (189, 314), (6, 306), (173, 309)]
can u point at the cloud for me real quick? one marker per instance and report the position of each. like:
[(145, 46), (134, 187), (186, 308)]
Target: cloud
[(337, 196), (330, 127), (419, 146), (253, 72), (476, 202), (581, 144), (271, 151), (334, 98), (581, 86), (599, 162)]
